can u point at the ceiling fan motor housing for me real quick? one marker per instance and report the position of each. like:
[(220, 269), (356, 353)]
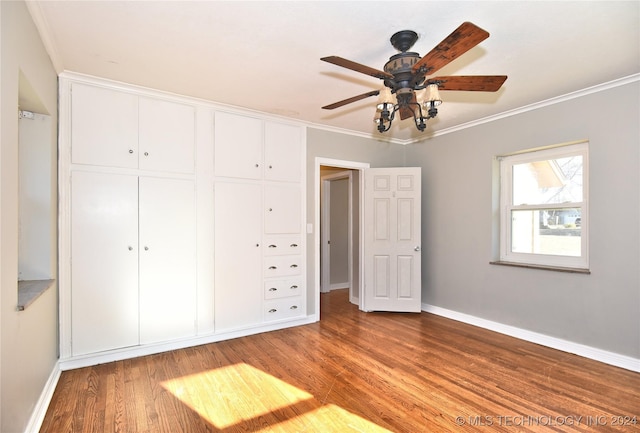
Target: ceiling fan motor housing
[(400, 66)]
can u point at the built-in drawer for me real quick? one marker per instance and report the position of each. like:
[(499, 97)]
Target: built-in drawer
[(281, 245), (285, 308), (282, 288), (281, 266)]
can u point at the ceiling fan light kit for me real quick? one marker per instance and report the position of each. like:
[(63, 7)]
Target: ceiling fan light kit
[(405, 76)]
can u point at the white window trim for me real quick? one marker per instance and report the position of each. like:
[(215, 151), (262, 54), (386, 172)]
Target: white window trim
[(506, 185)]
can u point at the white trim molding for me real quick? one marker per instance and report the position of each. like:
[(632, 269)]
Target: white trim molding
[(42, 404), (611, 358)]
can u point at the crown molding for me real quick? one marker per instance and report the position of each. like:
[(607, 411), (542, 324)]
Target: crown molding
[(545, 103)]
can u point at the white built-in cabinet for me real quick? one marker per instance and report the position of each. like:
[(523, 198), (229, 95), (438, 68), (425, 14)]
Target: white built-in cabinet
[(259, 263), (133, 260), (132, 219), (178, 222)]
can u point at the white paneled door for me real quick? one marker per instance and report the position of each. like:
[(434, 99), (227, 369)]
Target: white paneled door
[(104, 261), (167, 259), (238, 255), (392, 240)]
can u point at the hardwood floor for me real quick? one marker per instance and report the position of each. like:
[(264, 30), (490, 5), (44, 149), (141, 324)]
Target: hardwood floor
[(352, 371)]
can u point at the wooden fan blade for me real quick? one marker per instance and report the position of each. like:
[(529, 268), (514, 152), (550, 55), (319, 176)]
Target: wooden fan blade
[(350, 100), (407, 111), (357, 67), (480, 83), (462, 39)]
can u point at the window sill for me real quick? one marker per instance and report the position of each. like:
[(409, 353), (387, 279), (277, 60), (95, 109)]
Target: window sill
[(543, 267), (30, 290)]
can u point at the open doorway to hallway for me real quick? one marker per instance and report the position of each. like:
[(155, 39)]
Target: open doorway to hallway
[(339, 230)]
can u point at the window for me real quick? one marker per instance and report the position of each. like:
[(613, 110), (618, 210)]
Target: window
[(544, 208)]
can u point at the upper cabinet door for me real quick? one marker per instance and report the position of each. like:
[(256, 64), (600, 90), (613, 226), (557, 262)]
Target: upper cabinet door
[(167, 136), (104, 127), (282, 152), (238, 146)]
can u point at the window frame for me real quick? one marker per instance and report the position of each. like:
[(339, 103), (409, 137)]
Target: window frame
[(506, 207)]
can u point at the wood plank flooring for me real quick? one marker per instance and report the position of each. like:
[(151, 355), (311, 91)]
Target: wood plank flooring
[(352, 371)]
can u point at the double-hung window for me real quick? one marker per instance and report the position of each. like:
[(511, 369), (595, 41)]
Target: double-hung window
[(543, 207)]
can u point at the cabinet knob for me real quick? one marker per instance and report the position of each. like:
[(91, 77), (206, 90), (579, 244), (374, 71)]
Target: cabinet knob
[(273, 267), (146, 154), (130, 248), (146, 248), (273, 246), (293, 266), (273, 310), (257, 165), (270, 209), (130, 150), (270, 166), (257, 245), (293, 287), (293, 307), (293, 245), (273, 289)]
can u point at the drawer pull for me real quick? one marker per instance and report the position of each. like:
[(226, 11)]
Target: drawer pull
[(293, 266), (273, 267), (273, 310), (293, 307), (273, 289), (294, 245), (273, 246), (293, 287)]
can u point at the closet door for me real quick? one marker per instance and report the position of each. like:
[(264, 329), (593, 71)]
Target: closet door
[(282, 209), (238, 146), (282, 152), (104, 127), (167, 259), (238, 252), (167, 136), (104, 261)]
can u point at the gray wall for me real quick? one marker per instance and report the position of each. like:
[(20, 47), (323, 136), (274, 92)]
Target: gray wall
[(601, 310), (28, 341), (339, 229)]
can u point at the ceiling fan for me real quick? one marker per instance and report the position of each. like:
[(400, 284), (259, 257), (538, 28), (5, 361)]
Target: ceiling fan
[(405, 76)]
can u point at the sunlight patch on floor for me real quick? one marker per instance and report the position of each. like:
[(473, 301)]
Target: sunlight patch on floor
[(330, 418), (240, 394)]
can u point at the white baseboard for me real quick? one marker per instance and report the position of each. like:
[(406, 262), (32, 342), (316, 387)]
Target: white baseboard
[(604, 356), (40, 409), (336, 286), (150, 349)]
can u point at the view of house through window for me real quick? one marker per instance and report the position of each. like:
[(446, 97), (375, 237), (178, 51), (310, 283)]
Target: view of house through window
[(544, 205)]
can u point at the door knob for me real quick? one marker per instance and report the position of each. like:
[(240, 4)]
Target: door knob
[(417, 248)]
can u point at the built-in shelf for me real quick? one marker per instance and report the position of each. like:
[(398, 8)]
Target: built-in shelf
[(30, 290)]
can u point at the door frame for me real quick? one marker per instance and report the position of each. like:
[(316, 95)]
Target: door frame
[(351, 165), (325, 231)]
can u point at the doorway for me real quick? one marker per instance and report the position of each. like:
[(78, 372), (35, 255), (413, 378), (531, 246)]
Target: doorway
[(338, 184), (337, 231)]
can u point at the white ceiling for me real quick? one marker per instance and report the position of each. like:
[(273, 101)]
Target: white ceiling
[(265, 55)]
